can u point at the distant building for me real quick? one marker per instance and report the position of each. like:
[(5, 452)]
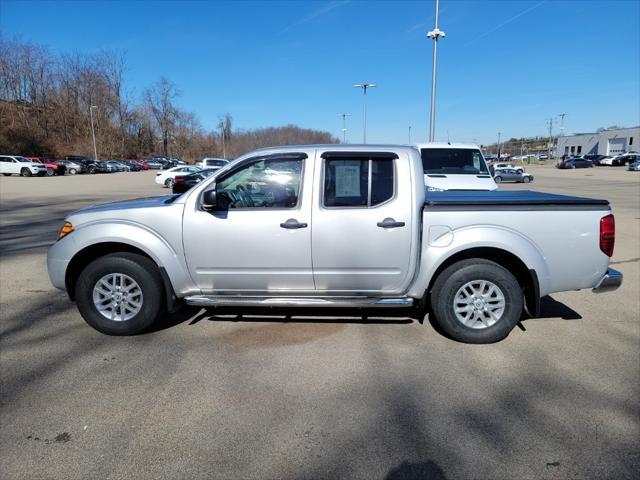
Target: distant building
[(608, 142)]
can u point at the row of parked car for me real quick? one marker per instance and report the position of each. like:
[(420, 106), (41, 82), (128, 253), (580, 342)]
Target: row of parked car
[(77, 164), (630, 159)]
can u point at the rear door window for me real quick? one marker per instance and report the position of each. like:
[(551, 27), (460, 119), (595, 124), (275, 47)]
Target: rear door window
[(358, 182)]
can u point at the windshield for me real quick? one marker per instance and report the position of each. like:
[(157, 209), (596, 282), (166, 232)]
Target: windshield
[(22, 159), (457, 161)]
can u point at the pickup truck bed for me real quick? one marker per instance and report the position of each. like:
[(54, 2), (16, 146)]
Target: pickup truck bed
[(510, 200)]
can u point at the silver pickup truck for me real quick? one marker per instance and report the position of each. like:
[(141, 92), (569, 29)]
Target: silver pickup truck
[(333, 226)]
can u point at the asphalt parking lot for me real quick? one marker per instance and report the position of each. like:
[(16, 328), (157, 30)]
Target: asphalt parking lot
[(233, 396)]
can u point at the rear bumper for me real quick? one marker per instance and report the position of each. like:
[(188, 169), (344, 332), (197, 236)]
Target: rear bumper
[(610, 281)]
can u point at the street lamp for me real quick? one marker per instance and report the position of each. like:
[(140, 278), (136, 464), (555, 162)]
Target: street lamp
[(434, 35), (499, 145), (409, 134), (364, 87), (93, 133), (344, 116)]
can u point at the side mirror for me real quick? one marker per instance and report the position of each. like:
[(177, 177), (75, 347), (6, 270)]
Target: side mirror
[(214, 201), (210, 199)]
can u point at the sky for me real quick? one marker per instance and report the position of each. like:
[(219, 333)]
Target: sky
[(504, 66)]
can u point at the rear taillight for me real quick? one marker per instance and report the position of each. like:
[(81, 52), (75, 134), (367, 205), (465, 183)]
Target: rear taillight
[(607, 234), (179, 180)]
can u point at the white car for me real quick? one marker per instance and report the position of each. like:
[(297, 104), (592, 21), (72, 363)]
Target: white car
[(16, 165), (454, 166), (499, 166), (166, 178), (212, 163)]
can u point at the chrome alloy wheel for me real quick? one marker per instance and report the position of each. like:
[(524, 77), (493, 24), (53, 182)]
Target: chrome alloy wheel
[(117, 297), (479, 304)]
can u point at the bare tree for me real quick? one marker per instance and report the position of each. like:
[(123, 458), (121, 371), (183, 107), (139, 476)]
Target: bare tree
[(160, 98)]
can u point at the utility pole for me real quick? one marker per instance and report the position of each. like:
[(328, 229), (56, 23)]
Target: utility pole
[(562, 115), (344, 116), (364, 87), (434, 35), (550, 137), (409, 134), (224, 149), (499, 145), (93, 133)]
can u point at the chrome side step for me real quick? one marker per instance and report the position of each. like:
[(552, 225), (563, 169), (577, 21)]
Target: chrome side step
[(344, 302)]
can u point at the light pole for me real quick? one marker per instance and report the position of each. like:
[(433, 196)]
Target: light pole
[(499, 145), (434, 35), (562, 115), (344, 116), (364, 87), (409, 134), (93, 133)]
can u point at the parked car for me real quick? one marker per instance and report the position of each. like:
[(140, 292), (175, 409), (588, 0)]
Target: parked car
[(543, 156), (91, 165), (512, 175), (214, 163), (133, 166), (17, 165), (72, 167), (154, 164), (635, 166), (476, 269), (182, 183), (575, 163), (166, 178), (594, 158), (626, 159), (142, 165), (53, 167), (120, 166), (498, 166), (606, 161), (449, 166), (105, 166)]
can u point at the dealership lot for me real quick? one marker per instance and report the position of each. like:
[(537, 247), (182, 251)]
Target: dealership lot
[(242, 395)]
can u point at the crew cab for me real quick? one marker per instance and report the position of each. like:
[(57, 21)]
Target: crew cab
[(333, 226)]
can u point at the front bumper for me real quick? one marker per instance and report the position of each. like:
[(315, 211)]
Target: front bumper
[(610, 281)]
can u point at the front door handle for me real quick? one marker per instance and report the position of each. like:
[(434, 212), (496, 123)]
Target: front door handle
[(293, 223), (390, 223)]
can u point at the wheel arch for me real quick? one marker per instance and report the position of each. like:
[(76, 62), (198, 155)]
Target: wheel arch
[(526, 277), (90, 253)]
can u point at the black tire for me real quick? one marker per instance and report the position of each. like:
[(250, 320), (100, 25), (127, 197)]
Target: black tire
[(169, 182), (139, 268), (497, 179), (50, 172), (451, 279), (92, 169), (72, 171), (25, 172), (526, 179)]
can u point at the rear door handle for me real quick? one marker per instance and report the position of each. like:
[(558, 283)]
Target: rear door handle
[(292, 223), (390, 223)]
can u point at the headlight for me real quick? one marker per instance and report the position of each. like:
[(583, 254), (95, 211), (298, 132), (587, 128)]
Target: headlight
[(66, 229), (435, 189)]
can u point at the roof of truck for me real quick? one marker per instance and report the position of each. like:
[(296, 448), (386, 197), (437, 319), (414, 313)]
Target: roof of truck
[(446, 145)]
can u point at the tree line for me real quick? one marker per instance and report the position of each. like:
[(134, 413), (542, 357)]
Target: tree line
[(46, 102)]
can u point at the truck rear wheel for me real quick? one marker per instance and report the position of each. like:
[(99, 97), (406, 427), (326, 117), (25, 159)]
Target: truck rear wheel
[(477, 301), (120, 294)]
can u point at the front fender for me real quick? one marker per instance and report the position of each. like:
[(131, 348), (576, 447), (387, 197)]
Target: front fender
[(165, 254), (447, 243)]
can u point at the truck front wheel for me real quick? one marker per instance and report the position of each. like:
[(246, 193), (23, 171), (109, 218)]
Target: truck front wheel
[(477, 301), (120, 294)]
